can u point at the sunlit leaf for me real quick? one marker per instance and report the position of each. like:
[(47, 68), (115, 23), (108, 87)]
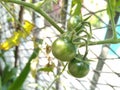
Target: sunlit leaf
[(33, 66), (40, 3), (15, 39), (9, 19), (12, 41), (48, 68), (6, 45), (28, 27), (76, 7)]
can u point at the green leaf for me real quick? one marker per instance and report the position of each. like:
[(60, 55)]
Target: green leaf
[(77, 1), (33, 66), (87, 18), (8, 74), (76, 7), (111, 5), (46, 69), (4, 74), (40, 3), (24, 73)]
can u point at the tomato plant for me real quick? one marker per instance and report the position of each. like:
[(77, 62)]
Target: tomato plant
[(78, 67), (63, 49)]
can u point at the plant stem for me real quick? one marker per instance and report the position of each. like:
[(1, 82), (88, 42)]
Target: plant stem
[(57, 77), (38, 10), (51, 21), (112, 19), (108, 41)]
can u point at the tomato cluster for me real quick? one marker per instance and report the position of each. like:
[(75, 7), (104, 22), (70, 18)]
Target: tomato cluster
[(65, 47), (64, 50)]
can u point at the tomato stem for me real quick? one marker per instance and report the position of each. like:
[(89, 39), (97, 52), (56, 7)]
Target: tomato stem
[(112, 19), (39, 10), (108, 41), (86, 51), (57, 76)]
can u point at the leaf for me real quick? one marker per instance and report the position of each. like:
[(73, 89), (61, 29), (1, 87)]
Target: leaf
[(77, 1), (76, 7), (17, 84), (9, 19), (6, 45), (33, 67), (8, 74), (48, 68), (40, 3), (87, 18), (28, 27), (15, 39), (12, 41)]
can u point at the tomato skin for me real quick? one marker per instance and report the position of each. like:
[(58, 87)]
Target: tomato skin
[(77, 68), (63, 49)]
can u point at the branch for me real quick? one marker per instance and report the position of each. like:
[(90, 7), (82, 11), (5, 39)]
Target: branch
[(112, 19), (37, 9), (50, 20), (108, 41)]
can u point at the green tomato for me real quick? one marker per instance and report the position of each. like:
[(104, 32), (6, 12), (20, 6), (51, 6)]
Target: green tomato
[(63, 49), (74, 22), (78, 68)]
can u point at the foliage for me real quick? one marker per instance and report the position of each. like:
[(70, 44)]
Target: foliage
[(17, 84), (15, 39)]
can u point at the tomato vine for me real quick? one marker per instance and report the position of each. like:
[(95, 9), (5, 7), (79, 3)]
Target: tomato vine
[(40, 11)]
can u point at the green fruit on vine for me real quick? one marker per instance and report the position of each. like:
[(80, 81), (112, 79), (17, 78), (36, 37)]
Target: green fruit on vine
[(63, 49), (78, 68)]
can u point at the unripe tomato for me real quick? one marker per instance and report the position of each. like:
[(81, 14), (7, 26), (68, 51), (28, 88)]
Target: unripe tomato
[(77, 68), (63, 49)]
